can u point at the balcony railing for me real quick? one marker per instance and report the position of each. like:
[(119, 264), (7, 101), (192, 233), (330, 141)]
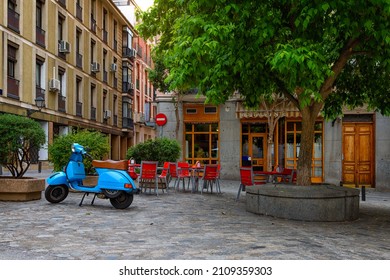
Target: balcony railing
[(62, 3), (128, 88), (127, 123), (105, 36), (40, 36), (79, 12), (105, 76), (115, 82), (61, 103), (39, 92), (13, 20), (128, 52), (79, 60), (93, 113), (79, 109), (13, 87), (93, 24), (115, 45)]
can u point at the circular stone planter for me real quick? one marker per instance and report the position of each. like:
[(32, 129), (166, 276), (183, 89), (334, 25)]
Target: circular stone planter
[(23, 189), (306, 203)]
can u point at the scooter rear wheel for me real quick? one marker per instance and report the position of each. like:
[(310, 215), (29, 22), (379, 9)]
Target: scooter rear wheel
[(56, 193), (122, 201)]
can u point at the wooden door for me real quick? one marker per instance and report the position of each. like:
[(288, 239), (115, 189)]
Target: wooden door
[(358, 154), (258, 151)]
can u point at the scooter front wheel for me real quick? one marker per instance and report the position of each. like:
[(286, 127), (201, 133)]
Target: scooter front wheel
[(122, 201), (56, 193)]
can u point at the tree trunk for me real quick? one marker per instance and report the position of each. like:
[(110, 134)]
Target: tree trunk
[(306, 149)]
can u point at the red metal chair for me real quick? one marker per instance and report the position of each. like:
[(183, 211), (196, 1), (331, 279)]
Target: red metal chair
[(247, 179), (183, 173), (173, 173), (164, 177), (211, 177), (148, 176)]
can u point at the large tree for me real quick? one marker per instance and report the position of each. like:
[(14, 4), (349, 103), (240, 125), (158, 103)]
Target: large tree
[(321, 55)]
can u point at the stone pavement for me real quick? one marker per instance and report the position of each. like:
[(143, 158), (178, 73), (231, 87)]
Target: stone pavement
[(188, 226)]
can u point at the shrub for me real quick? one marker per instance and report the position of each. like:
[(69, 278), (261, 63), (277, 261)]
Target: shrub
[(160, 149), (60, 150), (19, 136)]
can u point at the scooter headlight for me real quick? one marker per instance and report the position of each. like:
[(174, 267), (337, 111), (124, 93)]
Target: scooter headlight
[(73, 149)]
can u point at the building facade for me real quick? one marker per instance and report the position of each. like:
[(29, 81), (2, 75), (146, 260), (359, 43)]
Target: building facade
[(88, 64), (353, 150)]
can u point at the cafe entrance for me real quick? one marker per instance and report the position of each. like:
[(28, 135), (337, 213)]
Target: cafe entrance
[(254, 145)]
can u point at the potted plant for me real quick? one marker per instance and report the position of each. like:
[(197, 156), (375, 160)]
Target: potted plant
[(19, 136)]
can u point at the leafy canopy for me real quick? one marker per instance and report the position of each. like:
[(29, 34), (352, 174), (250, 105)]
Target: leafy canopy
[(312, 51)]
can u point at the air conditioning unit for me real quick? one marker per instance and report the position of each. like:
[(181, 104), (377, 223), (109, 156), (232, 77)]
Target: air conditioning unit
[(113, 67), (95, 67), (54, 85), (64, 47), (107, 114)]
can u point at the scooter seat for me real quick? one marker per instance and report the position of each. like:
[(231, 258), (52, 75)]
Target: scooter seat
[(110, 164)]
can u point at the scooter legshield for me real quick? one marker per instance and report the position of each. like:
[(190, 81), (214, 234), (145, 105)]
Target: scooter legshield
[(58, 178)]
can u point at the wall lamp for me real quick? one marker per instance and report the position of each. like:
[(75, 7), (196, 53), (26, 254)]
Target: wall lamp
[(40, 103)]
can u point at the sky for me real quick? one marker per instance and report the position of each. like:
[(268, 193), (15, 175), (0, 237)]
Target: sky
[(144, 4)]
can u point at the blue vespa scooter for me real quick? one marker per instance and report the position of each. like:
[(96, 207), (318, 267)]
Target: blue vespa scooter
[(114, 182)]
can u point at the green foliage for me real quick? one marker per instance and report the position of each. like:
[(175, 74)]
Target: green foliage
[(19, 136), (60, 150), (160, 149), (321, 55), (298, 48)]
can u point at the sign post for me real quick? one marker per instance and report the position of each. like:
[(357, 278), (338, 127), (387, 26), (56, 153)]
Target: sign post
[(161, 120)]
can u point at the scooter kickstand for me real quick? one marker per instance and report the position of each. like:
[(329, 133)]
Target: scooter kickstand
[(81, 202), (93, 200)]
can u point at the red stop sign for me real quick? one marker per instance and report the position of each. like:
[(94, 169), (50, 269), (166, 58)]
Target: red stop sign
[(161, 119)]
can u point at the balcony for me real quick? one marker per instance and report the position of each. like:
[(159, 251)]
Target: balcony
[(105, 76), (13, 20), (62, 3), (128, 88), (79, 109), (115, 85), (61, 103), (105, 36), (40, 36), (128, 53), (79, 12), (13, 88), (79, 60), (127, 123), (115, 47), (39, 92), (93, 24), (93, 113)]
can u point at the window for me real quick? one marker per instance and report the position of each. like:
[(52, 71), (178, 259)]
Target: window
[(105, 33), (11, 72), (62, 94), (115, 36), (79, 56), (201, 143), (293, 131), (105, 73), (12, 82), (13, 16), (79, 10)]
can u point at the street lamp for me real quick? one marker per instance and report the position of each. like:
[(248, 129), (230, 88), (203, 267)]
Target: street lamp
[(40, 103)]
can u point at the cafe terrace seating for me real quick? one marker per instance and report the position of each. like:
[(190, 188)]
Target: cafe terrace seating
[(247, 179), (184, 172), (148, 176), (210, 177)]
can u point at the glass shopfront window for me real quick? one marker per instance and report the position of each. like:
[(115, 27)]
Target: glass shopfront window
[(201, 143)]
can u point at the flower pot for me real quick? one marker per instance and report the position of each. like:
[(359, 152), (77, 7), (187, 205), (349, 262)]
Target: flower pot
[(21, 189)]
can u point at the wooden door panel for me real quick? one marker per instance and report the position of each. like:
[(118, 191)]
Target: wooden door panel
[(357, 154)]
